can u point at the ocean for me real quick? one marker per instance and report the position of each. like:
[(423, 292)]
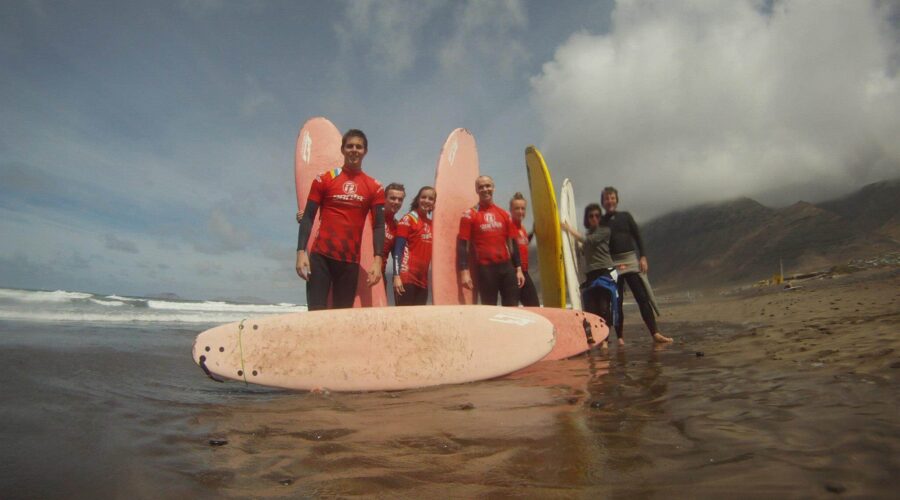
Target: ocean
[(82, 307)]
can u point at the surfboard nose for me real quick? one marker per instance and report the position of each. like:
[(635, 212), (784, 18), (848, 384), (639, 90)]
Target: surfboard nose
[(201, 352), (599, 329)]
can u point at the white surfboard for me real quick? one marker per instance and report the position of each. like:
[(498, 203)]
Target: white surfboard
[(570, 256), (369, 349)]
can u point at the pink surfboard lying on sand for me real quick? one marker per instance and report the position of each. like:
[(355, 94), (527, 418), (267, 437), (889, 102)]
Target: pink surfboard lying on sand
[(576, 331), (454, 181), (375, 348), (319, 150)]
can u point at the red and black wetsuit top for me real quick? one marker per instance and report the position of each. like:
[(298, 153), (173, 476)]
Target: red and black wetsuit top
[(415, 227), (345, 197), (522, 241), (487, 228), (390, 230)]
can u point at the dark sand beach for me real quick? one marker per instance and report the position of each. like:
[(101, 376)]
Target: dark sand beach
[(767, 392)]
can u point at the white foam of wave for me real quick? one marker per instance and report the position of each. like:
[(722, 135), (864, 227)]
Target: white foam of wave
[(123, 299), (63, 316), (213, 306), (108, 303), (33, 296)]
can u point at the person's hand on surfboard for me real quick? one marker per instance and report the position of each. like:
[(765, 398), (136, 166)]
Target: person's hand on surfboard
[(299, 216), (466, 279), (303, 265), (398, 285), (374, 272)]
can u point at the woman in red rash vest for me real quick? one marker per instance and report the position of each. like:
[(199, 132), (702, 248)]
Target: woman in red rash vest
[(490, 230), (345, 195), (527, 294), (412, 251)]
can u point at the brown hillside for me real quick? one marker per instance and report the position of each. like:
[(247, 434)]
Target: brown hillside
[(741, 240)]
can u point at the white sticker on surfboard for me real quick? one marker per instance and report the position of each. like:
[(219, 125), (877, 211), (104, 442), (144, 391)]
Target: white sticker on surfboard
[(306, 146), (511, 319)]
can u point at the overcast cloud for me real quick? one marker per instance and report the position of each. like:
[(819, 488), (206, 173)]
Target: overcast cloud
[(685, 102)]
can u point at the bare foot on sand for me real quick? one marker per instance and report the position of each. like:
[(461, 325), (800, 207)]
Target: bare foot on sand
[(604, 345), (662, 339), (621, 342)]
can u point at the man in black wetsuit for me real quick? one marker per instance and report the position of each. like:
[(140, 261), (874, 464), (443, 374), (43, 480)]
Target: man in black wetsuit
[(624, 239)]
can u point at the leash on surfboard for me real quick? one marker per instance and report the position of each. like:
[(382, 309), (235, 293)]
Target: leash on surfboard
[(587, 332), (206, 370), (243, 372)]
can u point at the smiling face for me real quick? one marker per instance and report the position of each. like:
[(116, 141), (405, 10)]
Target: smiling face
[(426, 200), (354, 150), (517, 210), (484, 186), (610, 201), (393, 200)]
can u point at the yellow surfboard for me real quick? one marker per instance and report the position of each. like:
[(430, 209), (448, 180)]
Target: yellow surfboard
[(546, 228)]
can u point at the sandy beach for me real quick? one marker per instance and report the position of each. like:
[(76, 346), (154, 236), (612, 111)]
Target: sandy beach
[(839, 324), (767, 392)]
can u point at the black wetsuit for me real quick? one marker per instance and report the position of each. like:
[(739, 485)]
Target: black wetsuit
[(626, 237)]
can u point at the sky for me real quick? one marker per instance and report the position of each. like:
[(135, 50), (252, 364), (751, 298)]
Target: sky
[(148, 147)]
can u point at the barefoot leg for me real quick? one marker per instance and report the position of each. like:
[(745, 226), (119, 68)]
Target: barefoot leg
[(661, 339)]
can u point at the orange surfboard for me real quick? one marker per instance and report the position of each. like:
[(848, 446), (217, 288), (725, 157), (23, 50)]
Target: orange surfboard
[(576, 331), (318, 150), (454, 181), (375, 348)]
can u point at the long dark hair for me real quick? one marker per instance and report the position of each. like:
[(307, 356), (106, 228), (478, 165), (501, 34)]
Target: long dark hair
[(415, 203), (592, 207)]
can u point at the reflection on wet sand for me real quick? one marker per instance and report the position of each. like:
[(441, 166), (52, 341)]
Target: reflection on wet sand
[(736, 408), (481, 438)]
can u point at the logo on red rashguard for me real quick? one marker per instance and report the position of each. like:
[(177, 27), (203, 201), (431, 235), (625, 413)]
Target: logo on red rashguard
[(349, 187)]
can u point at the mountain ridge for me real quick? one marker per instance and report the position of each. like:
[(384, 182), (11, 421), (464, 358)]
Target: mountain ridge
[(741, 240)]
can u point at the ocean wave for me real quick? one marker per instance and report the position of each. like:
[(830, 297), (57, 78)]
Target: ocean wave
[(125, 299), (39, 296), (65, 306), (99, 317), (108, 303), (216, 306)]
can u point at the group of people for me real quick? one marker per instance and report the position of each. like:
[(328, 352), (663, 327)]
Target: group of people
[(491, 236)]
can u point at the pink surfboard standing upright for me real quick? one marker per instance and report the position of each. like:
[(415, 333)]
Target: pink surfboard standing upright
[(319, 150), (454, 181)]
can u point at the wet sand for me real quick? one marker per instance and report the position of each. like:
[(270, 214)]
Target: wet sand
[(795, 395)]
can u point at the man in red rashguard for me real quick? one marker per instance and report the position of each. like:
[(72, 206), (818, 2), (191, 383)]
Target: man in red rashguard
[(517, 206), (346, 195), (490, 230), (394, 194)]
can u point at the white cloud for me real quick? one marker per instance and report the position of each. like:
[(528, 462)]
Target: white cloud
[(685, 102), (386, 30), (486, 33)]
